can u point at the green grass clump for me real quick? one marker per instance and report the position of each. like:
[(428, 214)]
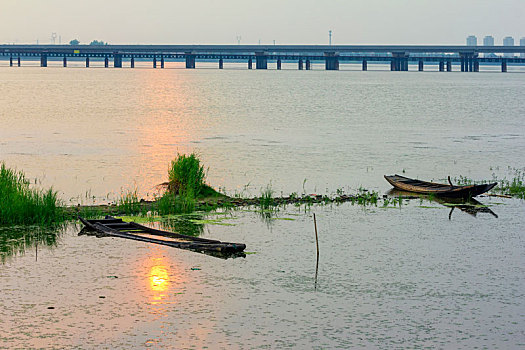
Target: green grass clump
[(514, 187), (266, 199), (22, 205), (129, 203), (186, 176), (170, 203)]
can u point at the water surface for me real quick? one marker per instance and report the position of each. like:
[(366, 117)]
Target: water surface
[(403, 277)]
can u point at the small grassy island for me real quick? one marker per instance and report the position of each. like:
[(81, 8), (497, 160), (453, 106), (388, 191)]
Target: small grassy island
[(186, 191)]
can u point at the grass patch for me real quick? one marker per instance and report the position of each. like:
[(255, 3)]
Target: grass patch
[(266, 199), (187, 176), (170, 203), (515, 186), (129, 203), (22, 205)]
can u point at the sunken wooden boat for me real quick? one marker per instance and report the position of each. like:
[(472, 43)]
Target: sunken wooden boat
[(110, 226), (443, 190)]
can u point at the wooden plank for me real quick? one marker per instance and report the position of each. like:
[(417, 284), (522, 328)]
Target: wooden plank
[(120, 229)]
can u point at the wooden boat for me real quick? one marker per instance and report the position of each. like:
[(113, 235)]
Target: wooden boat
[(443, 190), (110, 226)]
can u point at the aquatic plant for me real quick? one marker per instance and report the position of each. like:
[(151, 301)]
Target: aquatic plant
[(170, 203), (266, 199), (21, 204), (514, 187), (365, 197), (187, 176), (129, 203)]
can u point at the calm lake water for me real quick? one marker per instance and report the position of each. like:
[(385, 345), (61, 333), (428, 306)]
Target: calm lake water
[(404, 277)]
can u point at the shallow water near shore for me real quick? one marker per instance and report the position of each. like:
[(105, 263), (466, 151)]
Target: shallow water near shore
[(388, 278), (394, 277)]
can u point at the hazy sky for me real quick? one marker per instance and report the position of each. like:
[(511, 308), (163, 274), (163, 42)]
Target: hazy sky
[(286, 21)]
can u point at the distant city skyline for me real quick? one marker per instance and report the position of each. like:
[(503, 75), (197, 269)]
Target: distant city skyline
[(285, 22)]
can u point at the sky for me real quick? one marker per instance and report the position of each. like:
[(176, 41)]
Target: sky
[(389, 22)]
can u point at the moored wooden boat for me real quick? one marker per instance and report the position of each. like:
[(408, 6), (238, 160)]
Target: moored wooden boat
[(443, 190), (114, 227)]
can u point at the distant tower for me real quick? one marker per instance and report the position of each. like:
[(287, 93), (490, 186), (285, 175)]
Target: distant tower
[(488, 41), (54, 38), (508, 41), (472, 40), (522, 43), (330, 37)]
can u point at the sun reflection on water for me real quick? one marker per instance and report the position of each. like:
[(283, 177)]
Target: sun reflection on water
[(159, 278)]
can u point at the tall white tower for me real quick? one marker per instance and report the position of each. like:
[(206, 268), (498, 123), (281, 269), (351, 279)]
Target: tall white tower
[(488, 41), (508, 41), (472, 40)]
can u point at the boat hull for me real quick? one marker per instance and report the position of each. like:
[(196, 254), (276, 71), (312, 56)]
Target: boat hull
[(443, 190)]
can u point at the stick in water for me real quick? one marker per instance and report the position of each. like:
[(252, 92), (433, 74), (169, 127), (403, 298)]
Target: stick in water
[(317, 244)]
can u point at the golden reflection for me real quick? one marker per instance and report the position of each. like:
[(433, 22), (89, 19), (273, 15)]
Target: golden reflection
[(159, 278), (169, 121)]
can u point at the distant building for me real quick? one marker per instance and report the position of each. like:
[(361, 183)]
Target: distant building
[(508, 41), (522, 43), (488, 41), (472, 40)]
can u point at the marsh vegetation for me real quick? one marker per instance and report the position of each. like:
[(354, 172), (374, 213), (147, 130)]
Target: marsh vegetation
[(21, 204)]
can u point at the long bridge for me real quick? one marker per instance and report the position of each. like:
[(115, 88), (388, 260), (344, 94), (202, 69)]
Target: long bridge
[(468, 58)]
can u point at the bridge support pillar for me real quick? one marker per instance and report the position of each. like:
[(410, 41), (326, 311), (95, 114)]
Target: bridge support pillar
[(308, 65), (261, 60), (106, 62), (504, 66), (132, 62), (162, 62), (476, 65), (468, 61), (190, 60), (65, 61), (399, 61), (221, 63), (117, 60), (87, 62), (420, 66), (331, 60), (449, 66), (441, 66), (365, 65), (154, 62), (250, 63), (11, 61), (279, 63), (18, 61), (43, 60), (300, 64)]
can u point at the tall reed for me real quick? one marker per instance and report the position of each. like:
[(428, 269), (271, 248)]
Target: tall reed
[(21, 204), (186, 176)]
